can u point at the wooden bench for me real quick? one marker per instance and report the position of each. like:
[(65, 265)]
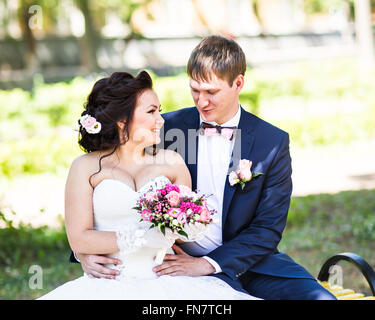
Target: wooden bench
[(340, 292)]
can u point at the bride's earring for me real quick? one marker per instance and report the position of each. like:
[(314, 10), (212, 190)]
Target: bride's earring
[(124, 137)]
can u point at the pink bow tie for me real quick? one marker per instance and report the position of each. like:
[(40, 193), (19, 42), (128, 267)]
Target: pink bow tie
[(211, 130)]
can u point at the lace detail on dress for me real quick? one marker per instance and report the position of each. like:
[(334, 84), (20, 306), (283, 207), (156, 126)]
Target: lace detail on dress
[(156, 183), (130, 238)]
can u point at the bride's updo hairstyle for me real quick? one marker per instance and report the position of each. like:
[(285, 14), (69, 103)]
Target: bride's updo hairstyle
[(111, 100)]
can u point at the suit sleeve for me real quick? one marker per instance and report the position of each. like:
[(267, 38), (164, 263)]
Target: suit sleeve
[(73, 258), (262, 236)]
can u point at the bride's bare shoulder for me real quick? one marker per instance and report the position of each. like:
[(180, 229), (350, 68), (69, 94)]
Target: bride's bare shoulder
[(85, 164), (171, 157), (176, 167)]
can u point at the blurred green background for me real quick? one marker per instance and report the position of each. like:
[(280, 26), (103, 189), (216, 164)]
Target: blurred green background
[(322, 95)]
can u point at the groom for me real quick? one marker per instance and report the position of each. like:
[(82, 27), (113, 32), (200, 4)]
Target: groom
[(241, 246)]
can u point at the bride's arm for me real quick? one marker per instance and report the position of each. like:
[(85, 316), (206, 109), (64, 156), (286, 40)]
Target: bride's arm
[(79, 218)]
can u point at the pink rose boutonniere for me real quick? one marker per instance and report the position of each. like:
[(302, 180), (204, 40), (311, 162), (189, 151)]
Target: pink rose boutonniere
[(243, 173)]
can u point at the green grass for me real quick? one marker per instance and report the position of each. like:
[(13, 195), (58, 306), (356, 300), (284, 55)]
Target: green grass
[(318, 226), (23, 247)]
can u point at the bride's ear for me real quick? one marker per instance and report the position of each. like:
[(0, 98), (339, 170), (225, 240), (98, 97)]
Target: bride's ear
[(122, 132), (121, 124)]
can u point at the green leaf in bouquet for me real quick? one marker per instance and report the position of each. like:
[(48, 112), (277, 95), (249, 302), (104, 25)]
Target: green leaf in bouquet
[(183, 233), (162, 228)]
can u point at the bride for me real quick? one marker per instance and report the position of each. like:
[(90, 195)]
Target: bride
[(118, 131)]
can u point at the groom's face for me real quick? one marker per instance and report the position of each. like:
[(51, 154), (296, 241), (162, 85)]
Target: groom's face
[(215, 99)]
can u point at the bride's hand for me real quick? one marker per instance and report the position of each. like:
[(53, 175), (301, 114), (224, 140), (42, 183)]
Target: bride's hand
[(179, 241)]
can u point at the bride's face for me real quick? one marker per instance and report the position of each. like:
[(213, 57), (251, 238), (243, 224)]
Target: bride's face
[(147, 121)]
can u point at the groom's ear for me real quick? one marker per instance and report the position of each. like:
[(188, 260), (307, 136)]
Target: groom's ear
[(239, 82)]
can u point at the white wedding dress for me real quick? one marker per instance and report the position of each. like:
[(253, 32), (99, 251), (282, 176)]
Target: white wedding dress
[(113, 203)]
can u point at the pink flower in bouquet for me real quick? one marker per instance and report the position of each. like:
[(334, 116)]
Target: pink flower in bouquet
[(158, 207), (185, 191), (147, 215), (173, 198), (174, 212), (189, 205), (150, 196), (181, 218), (196, 208), (172, 187), (205, 215)]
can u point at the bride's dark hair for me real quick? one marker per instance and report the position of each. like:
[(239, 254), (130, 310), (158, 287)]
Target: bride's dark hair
[(111, 100)]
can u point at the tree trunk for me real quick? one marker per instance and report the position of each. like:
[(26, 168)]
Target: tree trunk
[(364, 33), (255, 4), (31, 59), (89, 42)]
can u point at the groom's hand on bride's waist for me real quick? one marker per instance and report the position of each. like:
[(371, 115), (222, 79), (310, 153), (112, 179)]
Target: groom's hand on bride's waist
[(94, 265), (181, 264)]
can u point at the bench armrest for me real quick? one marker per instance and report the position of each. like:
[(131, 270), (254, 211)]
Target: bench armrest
[(353, 258)]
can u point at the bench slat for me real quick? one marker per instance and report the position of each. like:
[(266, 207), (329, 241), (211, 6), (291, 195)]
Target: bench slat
[(354, 296), (344, 294)]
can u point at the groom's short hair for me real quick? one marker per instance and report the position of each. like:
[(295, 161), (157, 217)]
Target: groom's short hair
[(217, 54)]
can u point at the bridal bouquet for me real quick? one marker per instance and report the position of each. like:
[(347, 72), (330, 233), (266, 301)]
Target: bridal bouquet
[(177, 208)]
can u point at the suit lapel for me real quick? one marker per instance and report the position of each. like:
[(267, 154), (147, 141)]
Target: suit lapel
[(191, 145), (241, 150)]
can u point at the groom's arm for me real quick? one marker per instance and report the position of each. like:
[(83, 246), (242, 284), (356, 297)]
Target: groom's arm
[(73, 258), (264, 233)]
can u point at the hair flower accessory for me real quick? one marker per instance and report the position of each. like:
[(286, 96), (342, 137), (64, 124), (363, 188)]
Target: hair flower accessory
[(90, 124), (243, 173)]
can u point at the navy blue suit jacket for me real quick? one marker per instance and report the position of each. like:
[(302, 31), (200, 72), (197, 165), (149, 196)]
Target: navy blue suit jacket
[(255, 217)]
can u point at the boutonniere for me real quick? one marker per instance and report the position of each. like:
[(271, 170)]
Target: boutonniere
[(243, 173)]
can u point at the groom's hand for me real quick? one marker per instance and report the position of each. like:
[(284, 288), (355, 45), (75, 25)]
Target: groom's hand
[(181, 264), (94, 265)]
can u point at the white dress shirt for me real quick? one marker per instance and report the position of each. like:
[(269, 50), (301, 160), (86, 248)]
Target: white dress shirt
[(214, 154)]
